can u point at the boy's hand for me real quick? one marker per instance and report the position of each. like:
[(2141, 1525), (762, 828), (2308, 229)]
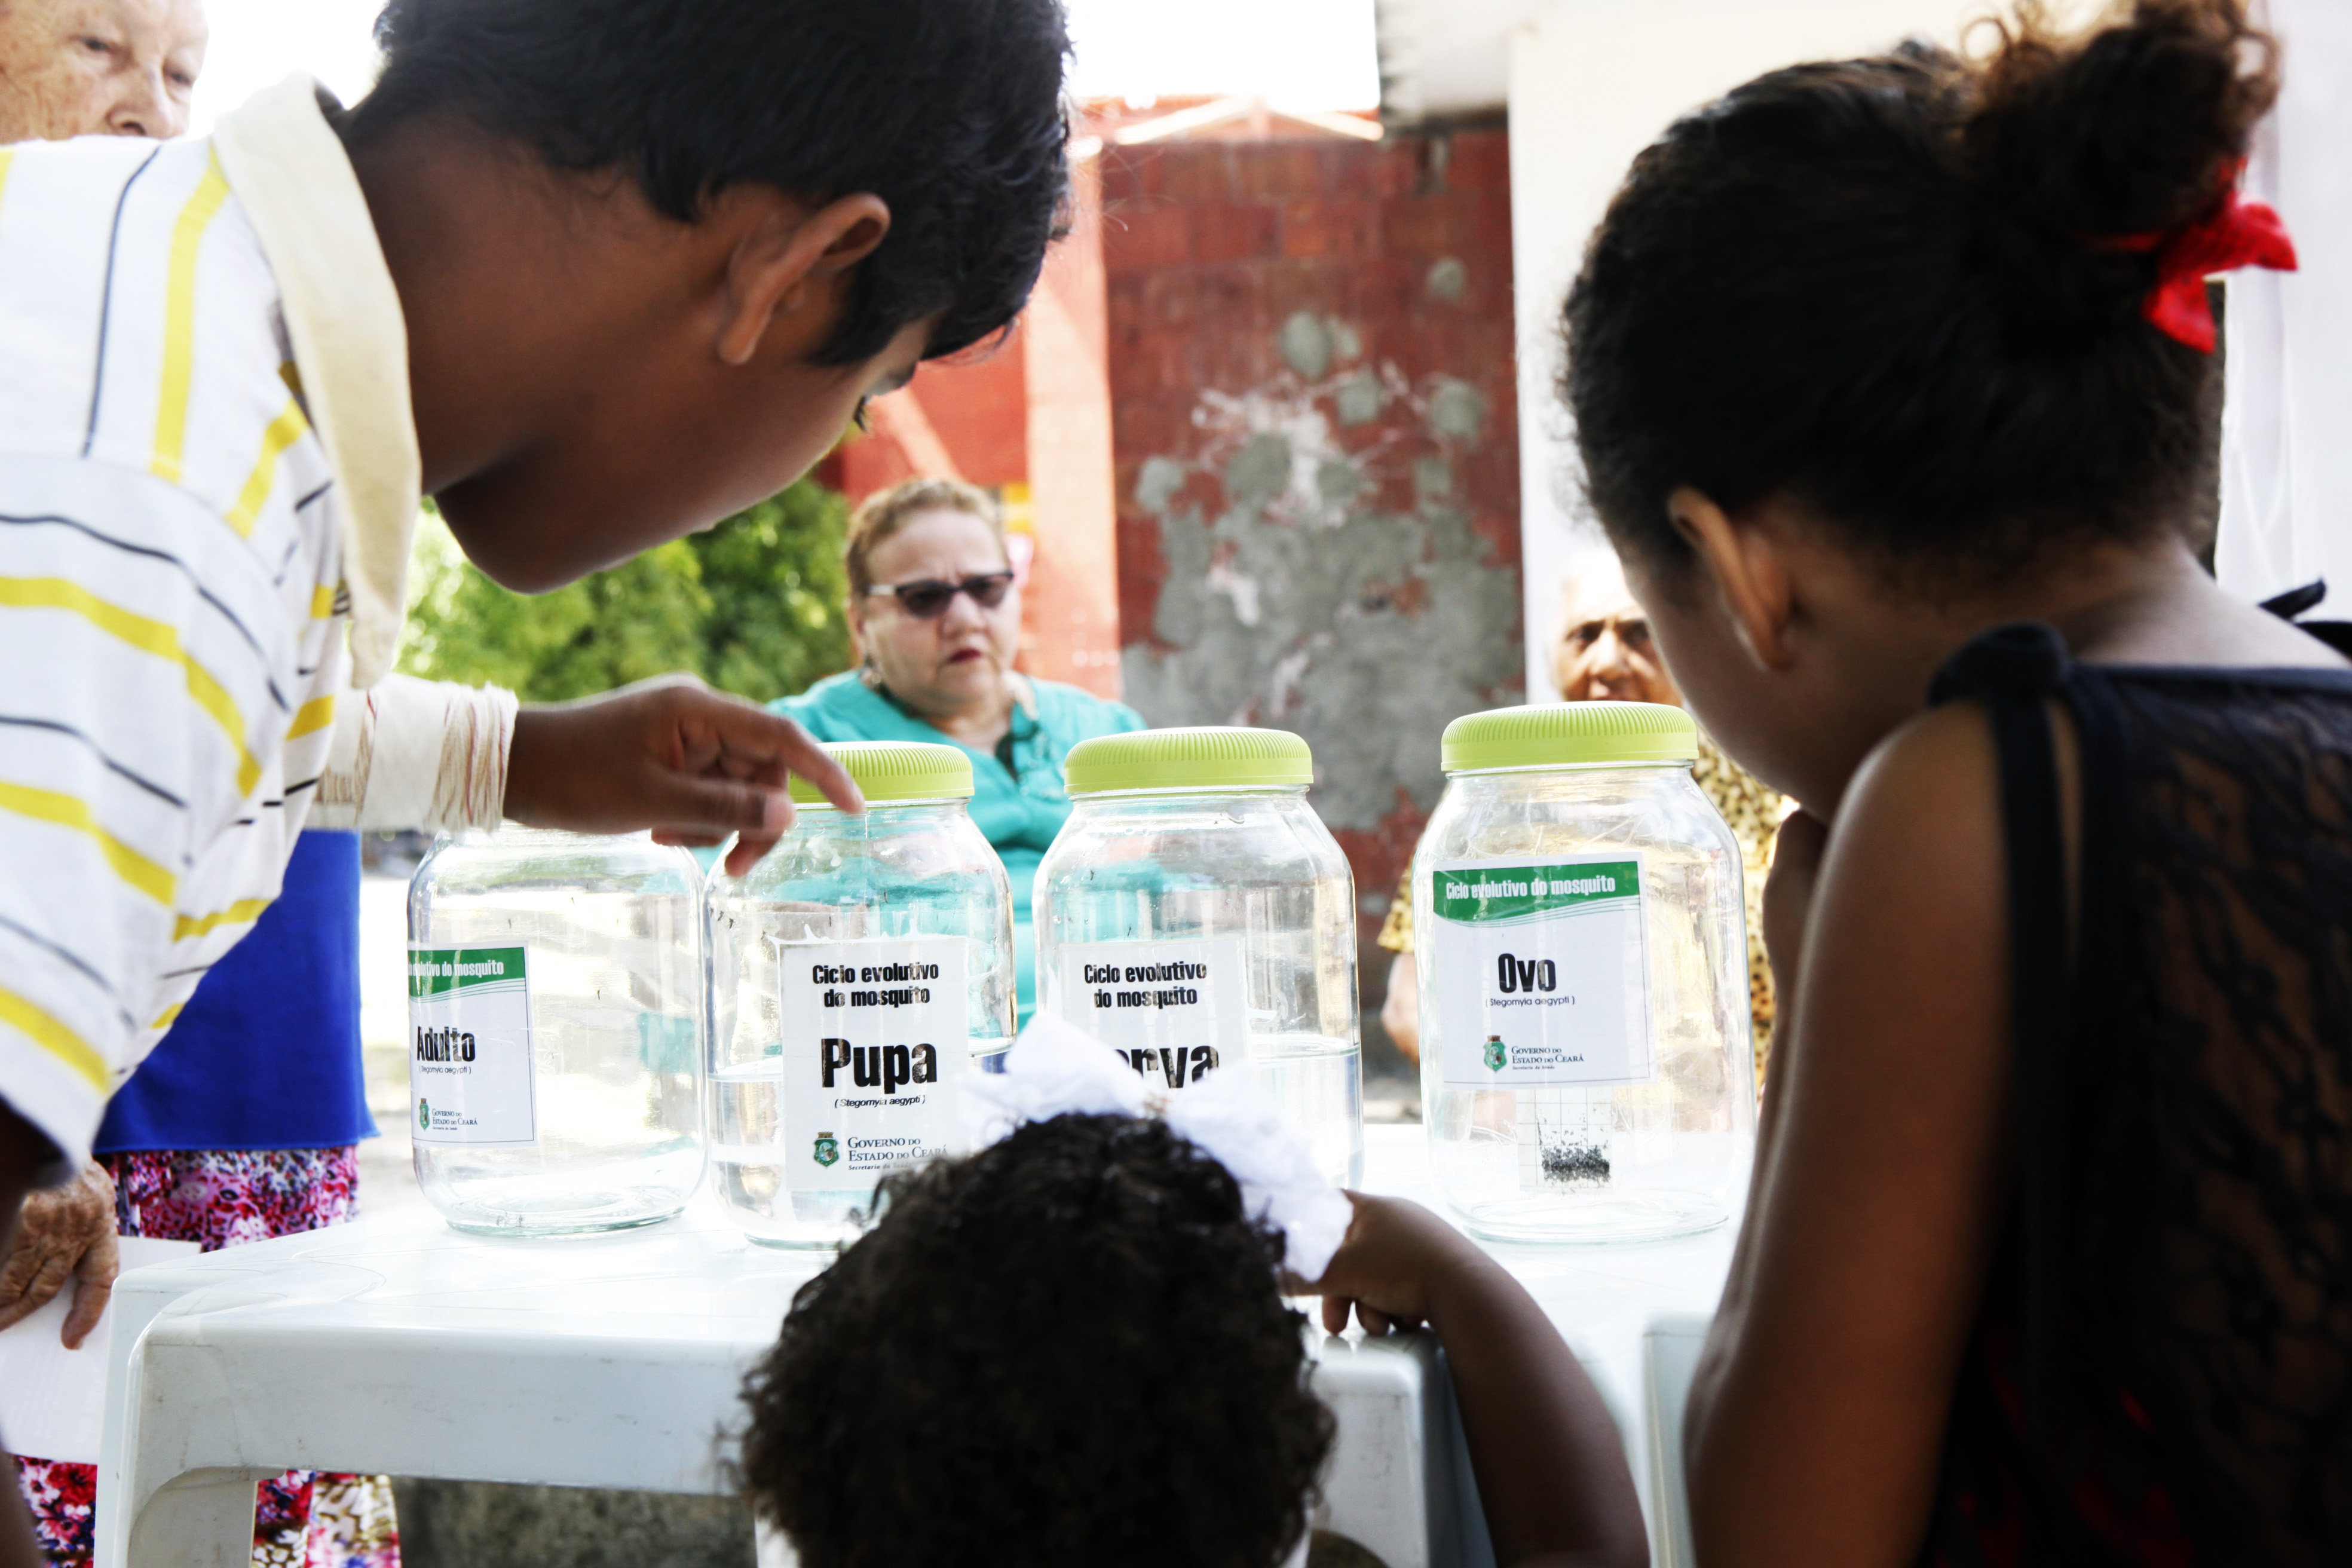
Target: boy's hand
[(672, 755), (64, 1234), (1393, 1251)]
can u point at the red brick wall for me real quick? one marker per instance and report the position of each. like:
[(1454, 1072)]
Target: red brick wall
[(1070, 617), (1314, 399), (1028, 413)]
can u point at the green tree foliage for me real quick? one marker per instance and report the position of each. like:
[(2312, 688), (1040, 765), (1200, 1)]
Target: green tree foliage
[(777, 588), (753, 607)]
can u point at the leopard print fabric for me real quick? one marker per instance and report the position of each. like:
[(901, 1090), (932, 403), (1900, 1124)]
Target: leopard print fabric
[(1755, 812)]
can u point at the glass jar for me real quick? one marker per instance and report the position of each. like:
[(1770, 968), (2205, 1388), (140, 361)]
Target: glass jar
[(1194, 911), (555, 1060), (853, 973), (1581, 951)]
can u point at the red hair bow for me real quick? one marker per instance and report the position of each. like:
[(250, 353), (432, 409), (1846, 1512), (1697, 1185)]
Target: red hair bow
[(2234, 234)]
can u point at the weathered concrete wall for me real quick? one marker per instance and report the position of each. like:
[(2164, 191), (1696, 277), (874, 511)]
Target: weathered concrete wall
[(477, 1524), (1318, 458)]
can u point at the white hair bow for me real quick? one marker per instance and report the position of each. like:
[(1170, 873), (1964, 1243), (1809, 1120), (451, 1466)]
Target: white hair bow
[(1056, 1069)]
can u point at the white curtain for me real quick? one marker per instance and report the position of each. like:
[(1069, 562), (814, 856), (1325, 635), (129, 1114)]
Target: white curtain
[(2286, 427)]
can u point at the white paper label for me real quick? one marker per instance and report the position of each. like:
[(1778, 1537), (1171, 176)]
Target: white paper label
[(470, 1078), (1542, 972), (471, 1046), (1174, 1009), (875, 1033)]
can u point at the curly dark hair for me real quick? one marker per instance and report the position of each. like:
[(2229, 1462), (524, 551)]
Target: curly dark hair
[(1067, 1350), (1891, 289)]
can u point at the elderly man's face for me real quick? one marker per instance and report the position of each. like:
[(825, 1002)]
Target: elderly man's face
[(1605, 652), (97, 67)]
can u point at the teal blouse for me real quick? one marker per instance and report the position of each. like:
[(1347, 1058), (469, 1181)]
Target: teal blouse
[(1017, 799)]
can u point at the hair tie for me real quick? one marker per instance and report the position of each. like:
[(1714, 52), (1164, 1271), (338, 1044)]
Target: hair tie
[(1056, 1068), (2236, 233)]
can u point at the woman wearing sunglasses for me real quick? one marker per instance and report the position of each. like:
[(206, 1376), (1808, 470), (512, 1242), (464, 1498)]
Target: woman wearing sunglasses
[(935, 616)]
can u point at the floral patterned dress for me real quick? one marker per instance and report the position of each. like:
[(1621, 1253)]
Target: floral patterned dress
[(303, 1518)]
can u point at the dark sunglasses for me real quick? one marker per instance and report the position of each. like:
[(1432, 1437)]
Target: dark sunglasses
[(930, 598)]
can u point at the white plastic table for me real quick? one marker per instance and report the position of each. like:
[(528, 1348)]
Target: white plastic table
[(397, 1346)]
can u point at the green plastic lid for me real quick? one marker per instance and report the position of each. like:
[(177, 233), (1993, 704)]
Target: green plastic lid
[(1570, 734), (1214, 757), (895, 769)]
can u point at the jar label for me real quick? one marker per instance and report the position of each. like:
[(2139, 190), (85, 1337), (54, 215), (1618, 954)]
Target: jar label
[(873, 1032), (470, 1078), (1541, 972), (1172, 1009)]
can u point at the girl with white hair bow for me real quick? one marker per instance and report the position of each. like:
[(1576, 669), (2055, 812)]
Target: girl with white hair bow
[(1072, 1347)]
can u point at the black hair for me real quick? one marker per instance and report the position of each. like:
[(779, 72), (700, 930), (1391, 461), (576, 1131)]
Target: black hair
[(949, 111), (1888, 289), (1067, 1350)]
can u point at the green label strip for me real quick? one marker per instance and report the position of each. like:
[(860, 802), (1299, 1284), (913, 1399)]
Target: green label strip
[(435, 971), (1493, 894)]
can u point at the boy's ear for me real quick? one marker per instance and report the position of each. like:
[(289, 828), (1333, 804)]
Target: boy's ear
[(784, 256), (1749, 570)]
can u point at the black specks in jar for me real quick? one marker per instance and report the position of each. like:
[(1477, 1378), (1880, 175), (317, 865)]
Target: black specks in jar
[(1573, 1162)]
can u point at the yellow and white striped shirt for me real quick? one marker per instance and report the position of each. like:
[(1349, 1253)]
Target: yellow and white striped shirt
[(208, 474)]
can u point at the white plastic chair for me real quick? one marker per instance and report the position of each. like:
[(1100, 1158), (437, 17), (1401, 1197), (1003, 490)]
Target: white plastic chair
[(1670, 1348)]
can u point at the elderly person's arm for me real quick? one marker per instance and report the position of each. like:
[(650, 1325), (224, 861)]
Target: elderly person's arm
[(63, 1234), (21, 1152)]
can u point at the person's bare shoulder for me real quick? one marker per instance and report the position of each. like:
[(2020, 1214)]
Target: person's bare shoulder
[(1926, 771), (1880, 1187), (1925, 806), (1908, 934)]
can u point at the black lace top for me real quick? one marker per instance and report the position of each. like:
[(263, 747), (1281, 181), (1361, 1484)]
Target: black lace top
[(2161, 1373)]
